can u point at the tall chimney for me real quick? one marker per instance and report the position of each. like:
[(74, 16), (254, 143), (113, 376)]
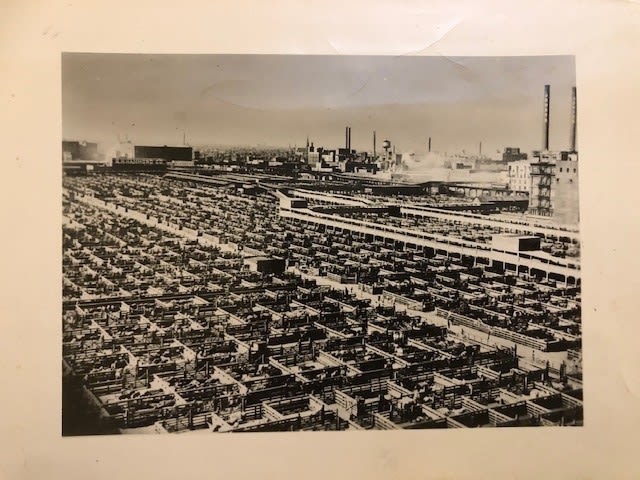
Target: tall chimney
[(480, 149), (574, 118), (374, 145), (349, 144), (429, 144), (547, 108), (346, 137)]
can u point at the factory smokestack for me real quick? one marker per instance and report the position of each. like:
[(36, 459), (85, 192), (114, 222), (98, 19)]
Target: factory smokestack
[(374, 145), (574, 118), (547, 111), (480, 154), (349, 144), (429, 144), (346, 137)]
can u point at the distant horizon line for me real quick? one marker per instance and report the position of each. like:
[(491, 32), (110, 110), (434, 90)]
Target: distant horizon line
[(295, 146)]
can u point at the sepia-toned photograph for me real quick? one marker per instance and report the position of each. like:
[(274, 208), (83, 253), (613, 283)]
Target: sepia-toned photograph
[(277, 243)]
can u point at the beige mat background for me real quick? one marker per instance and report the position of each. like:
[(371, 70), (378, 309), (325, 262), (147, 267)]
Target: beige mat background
[(605, 37)]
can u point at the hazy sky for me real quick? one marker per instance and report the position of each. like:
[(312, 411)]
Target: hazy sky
[(280, 99)]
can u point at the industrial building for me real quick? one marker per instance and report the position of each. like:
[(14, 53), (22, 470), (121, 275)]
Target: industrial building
[(342, 160), (81, 158), (550, 177), (519, 174), (79, 150), (164, 152), (565, 191), (513, 154), (152, 159)]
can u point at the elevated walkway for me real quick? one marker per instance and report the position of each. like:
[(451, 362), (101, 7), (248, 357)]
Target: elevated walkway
[(565, 268)]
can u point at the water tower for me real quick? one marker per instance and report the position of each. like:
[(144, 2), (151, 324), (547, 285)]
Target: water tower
[(386, 145)]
